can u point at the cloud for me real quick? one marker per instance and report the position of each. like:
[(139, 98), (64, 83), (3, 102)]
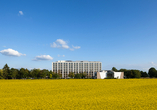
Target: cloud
[(20, 12), (43, 57), (61, 55), (153, 64), (4, 46), (72, 49), (76, 47), (60, 43), (11, 52)]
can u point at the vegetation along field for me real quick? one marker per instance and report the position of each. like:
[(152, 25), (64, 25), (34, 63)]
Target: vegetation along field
[(79, 94)]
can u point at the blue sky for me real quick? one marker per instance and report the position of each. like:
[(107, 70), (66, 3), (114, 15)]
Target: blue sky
[(119, 33)]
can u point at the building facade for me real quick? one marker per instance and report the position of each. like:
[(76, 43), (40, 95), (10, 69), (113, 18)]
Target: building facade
[(109, 74), (65, 67)]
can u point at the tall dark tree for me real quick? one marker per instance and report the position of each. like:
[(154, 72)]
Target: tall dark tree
[(83, 75), (59, 74), (136, 74), (35, 73), (27, 75), (13, 73), (144, 74), (71, 75), (132, 73), (6, 71), (114, 69), (44, 73), (1, 74), (128, 74), (152, 72), (47, 73), (23, 73), (55, 75), (89, 75), (77, 76), (123, 70)]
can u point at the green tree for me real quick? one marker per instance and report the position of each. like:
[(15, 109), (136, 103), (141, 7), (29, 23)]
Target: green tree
[(144, 74), (128, 74), (13, 73), (89, 76), (123, 70), (6, 71), (47, 73), (50, 76), (114, 69), (152, 72), (71, 75), (55, 75), (23, 73), (35, 73), (136, 73), (132, 73), (27, 73), (77, 76), (59, 74), (43, 73), (1, 74), (83, 75)]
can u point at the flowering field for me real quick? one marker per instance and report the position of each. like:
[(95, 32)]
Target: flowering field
[(79, 94)]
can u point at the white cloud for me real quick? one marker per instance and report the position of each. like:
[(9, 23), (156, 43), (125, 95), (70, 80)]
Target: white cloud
[(153, 64), (61, 55), (76, 47), (20, 12), (11, 52), (60, 43), (43, 57), (72, 49), (65, 46), (54, 45)]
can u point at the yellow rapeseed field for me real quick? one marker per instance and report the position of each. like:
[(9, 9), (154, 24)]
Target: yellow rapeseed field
[(130, 94)]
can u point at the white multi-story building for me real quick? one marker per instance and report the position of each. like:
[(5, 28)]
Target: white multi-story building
[(65, 67)]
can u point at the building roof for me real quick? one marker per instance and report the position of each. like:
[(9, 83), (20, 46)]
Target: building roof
[(75, 61)]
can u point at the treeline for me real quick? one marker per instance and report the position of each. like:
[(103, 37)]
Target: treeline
[(152, 73), (7, 73)]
